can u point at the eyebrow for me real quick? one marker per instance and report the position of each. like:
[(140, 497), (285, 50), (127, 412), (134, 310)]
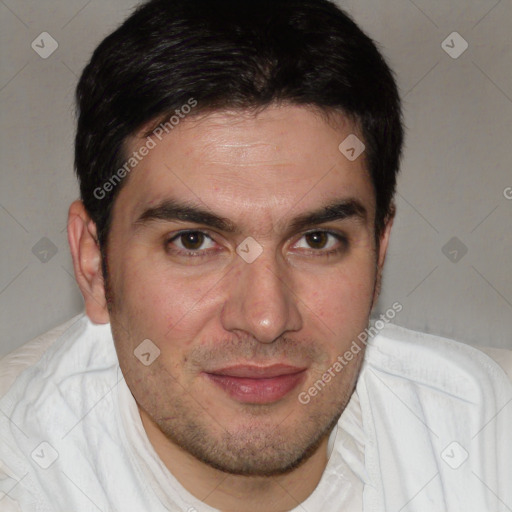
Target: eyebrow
[(171, 210)]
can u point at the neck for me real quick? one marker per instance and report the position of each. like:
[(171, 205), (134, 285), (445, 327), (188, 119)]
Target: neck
[(234, 493)]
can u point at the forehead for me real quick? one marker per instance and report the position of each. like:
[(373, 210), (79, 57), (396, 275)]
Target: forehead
[(240, 164)]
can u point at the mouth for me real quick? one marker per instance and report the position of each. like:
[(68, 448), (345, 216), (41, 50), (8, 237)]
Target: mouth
[(257, 384)]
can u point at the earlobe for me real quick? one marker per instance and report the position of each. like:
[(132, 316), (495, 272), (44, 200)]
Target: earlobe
[(86, 255)]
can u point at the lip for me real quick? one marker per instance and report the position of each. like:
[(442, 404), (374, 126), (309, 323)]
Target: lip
[(257, 384), (257, 372)]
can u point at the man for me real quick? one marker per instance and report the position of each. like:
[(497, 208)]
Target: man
[(237, 163)]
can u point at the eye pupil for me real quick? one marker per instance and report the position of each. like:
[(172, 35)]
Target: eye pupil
[(192, 240), (317, 240)]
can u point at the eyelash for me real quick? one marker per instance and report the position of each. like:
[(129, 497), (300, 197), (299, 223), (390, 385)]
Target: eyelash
[(315, 252)]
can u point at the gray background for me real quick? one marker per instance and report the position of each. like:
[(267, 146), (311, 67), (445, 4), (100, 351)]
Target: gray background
[(456, 174)]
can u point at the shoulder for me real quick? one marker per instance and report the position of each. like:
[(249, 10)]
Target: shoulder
[(501, 356), (47, 387), (30, 353), (438, 375), (436, 359), (54, 352), (431, 405)]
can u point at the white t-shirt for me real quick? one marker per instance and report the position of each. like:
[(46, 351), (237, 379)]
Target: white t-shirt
[(428, 428)]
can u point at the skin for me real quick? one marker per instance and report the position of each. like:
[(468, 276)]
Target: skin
[(292, 305)]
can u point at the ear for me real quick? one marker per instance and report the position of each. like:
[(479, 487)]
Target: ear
[(85, 251), (383, 248)]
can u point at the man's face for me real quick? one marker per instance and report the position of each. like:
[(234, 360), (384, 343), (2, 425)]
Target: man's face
[(242, 334)]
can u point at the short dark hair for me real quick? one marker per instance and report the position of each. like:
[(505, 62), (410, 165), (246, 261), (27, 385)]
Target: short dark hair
[(231, 54)]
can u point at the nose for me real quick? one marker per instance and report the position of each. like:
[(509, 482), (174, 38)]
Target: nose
[(261, 301)]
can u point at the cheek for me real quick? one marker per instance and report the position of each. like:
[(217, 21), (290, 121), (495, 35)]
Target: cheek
[(342, 298), (167, 304)]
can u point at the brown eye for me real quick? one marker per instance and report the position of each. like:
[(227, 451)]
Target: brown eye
[(318, 239), (323, 243), (190, 243), (192, 240)]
